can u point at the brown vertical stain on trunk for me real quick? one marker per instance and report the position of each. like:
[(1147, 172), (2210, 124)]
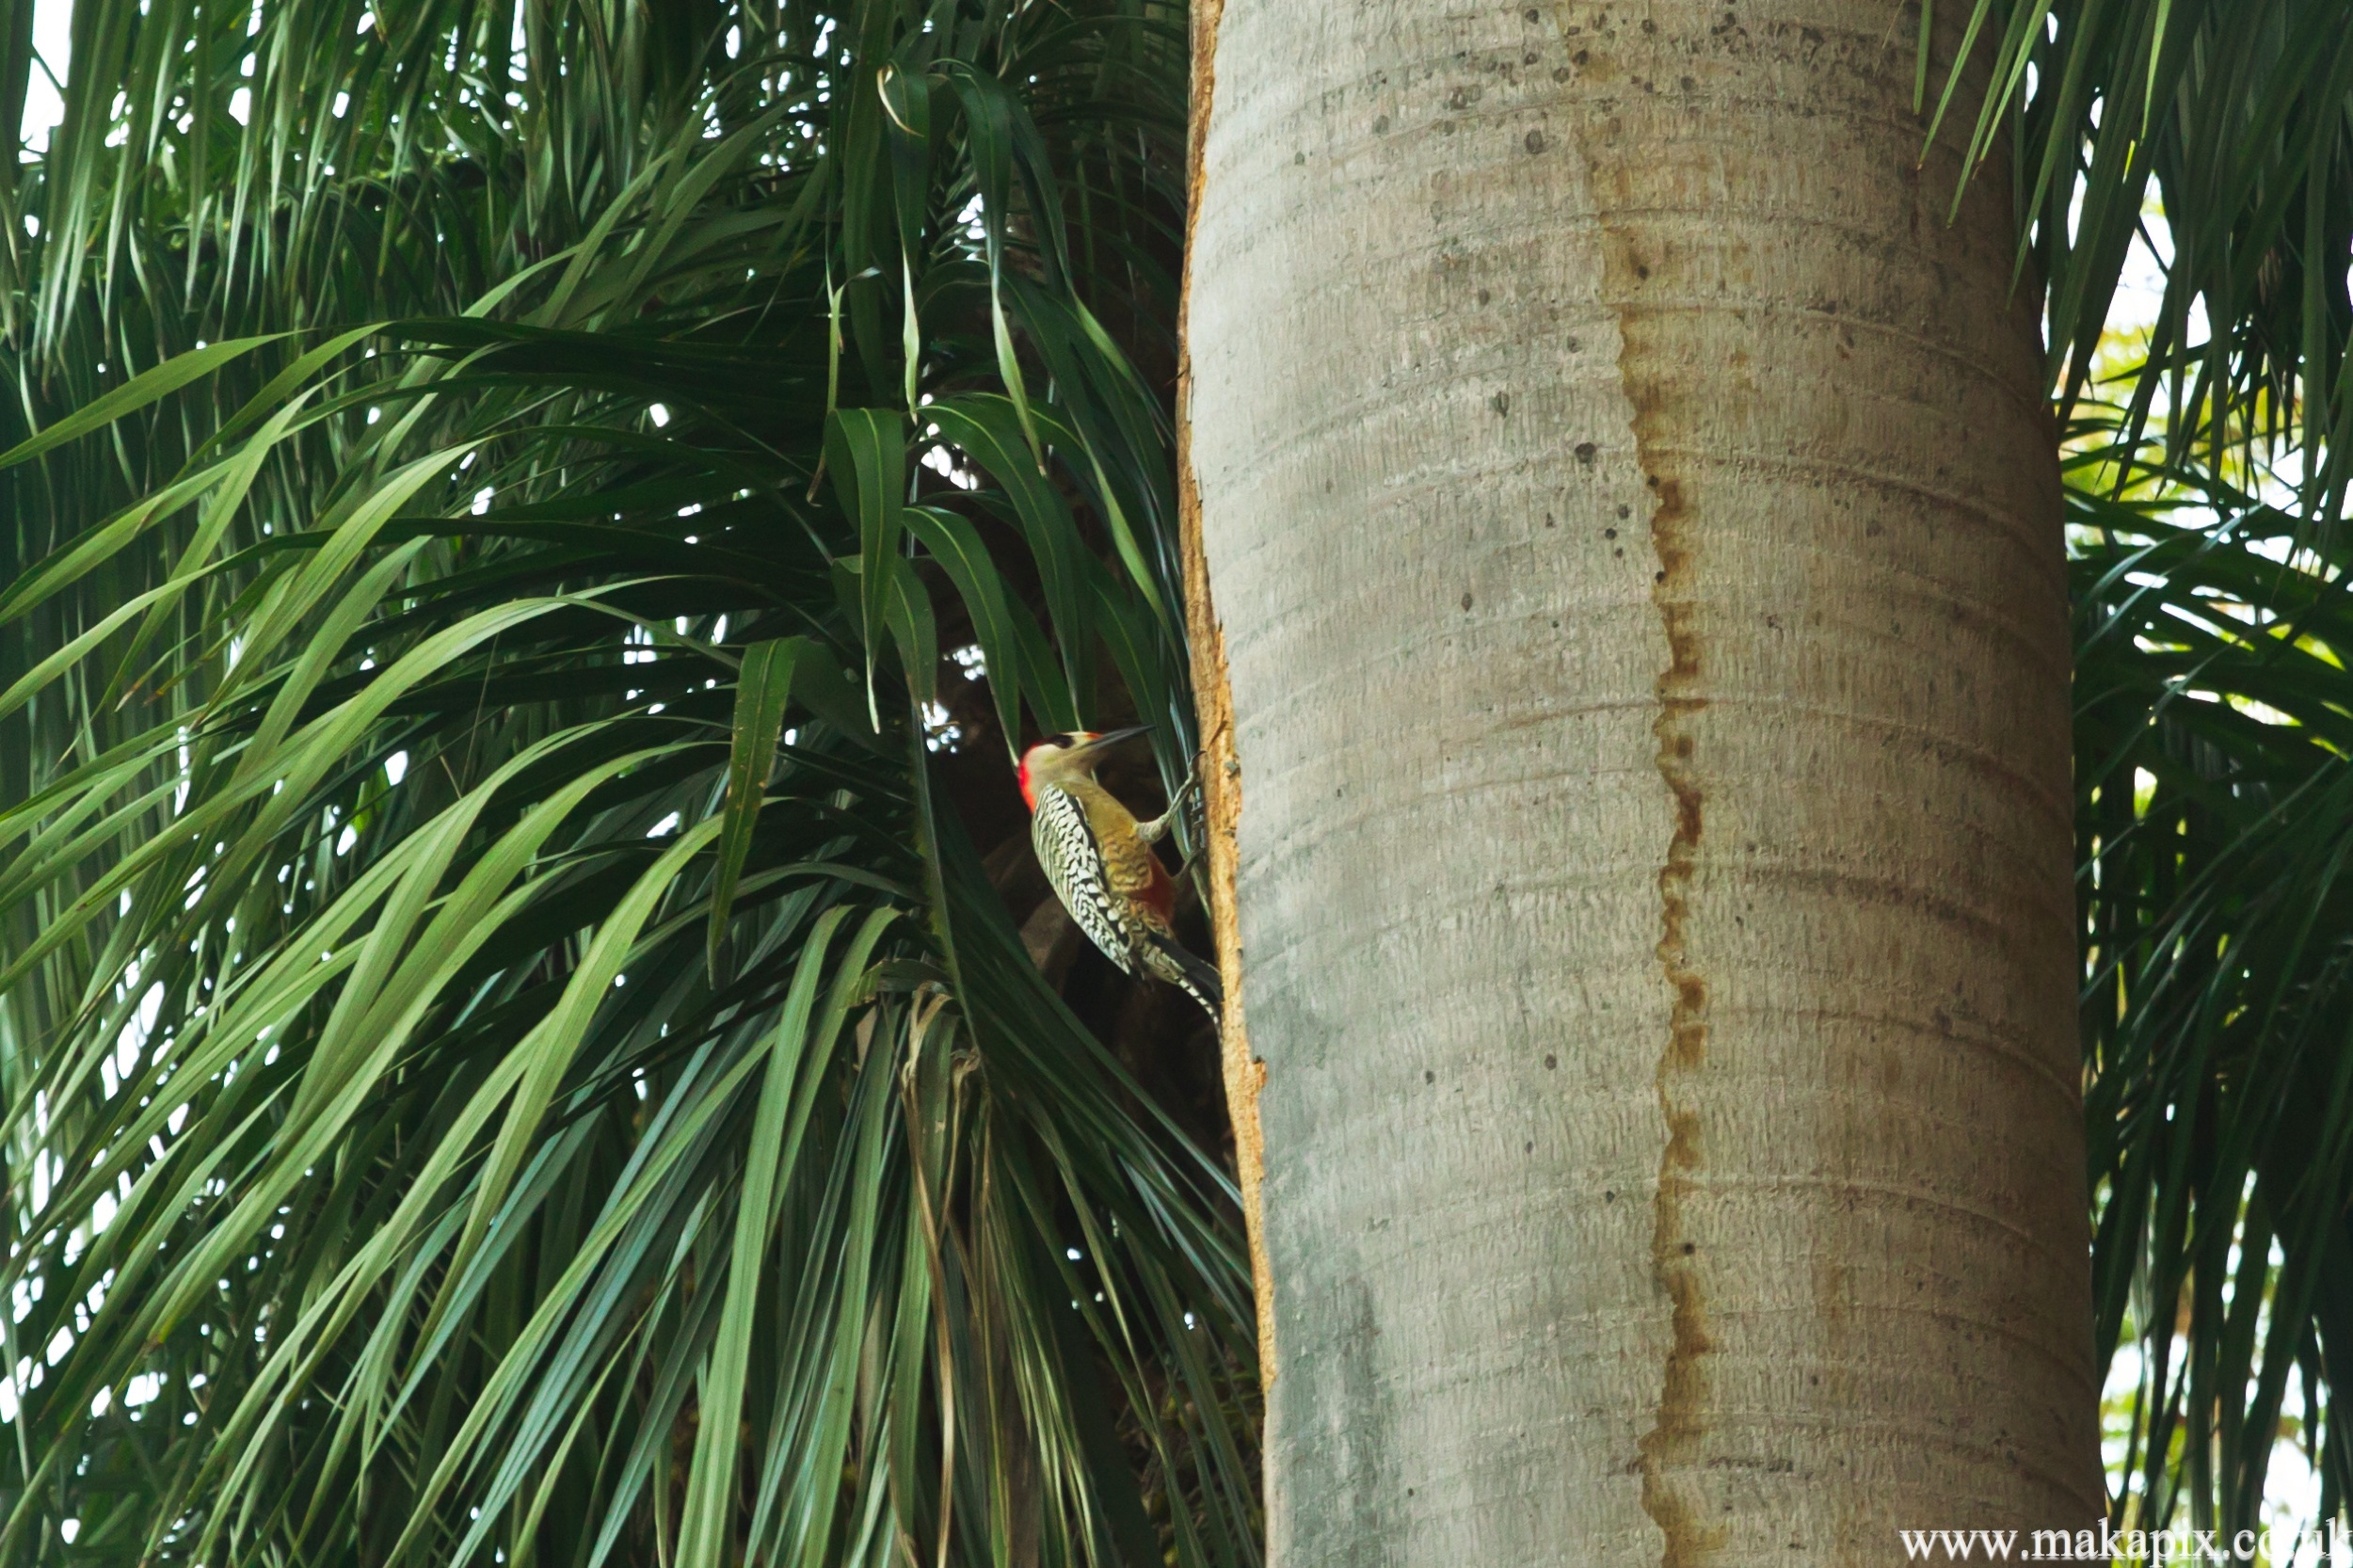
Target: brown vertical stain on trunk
[(1213, 705), (1679, 1427)]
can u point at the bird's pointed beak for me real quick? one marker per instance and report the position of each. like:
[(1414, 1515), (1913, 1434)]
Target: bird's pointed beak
[(1110, 736)]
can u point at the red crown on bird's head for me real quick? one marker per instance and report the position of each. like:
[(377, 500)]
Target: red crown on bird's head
[(1059, 745), (1052, 745)]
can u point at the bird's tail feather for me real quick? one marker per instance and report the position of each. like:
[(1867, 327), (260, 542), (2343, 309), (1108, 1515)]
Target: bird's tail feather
[(1196, 978)]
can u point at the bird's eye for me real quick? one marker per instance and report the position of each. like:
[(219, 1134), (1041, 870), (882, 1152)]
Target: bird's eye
[(1066, 740)]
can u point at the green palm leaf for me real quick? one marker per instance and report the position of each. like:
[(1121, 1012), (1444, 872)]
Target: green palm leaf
[(2211, 143), (2215, 818), (509, 1054)]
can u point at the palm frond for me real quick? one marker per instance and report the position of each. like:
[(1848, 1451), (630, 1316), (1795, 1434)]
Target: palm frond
[(2217, 137), (2215, 800), (2210, 146), (510, 1051)]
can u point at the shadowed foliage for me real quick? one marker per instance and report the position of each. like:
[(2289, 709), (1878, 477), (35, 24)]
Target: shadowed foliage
[(512, 1054), (2213, 139), (2215, 807)]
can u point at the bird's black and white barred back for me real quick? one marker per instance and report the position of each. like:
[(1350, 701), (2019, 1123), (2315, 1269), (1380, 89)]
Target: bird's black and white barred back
[(1074, 864)]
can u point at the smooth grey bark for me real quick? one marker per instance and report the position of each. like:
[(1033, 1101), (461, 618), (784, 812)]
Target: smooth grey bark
[(1632, 518)]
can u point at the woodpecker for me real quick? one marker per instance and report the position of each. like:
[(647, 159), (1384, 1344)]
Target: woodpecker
[(1099, 859)]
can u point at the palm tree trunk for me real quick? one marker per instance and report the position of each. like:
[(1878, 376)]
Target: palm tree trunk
[(1633, 525)]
